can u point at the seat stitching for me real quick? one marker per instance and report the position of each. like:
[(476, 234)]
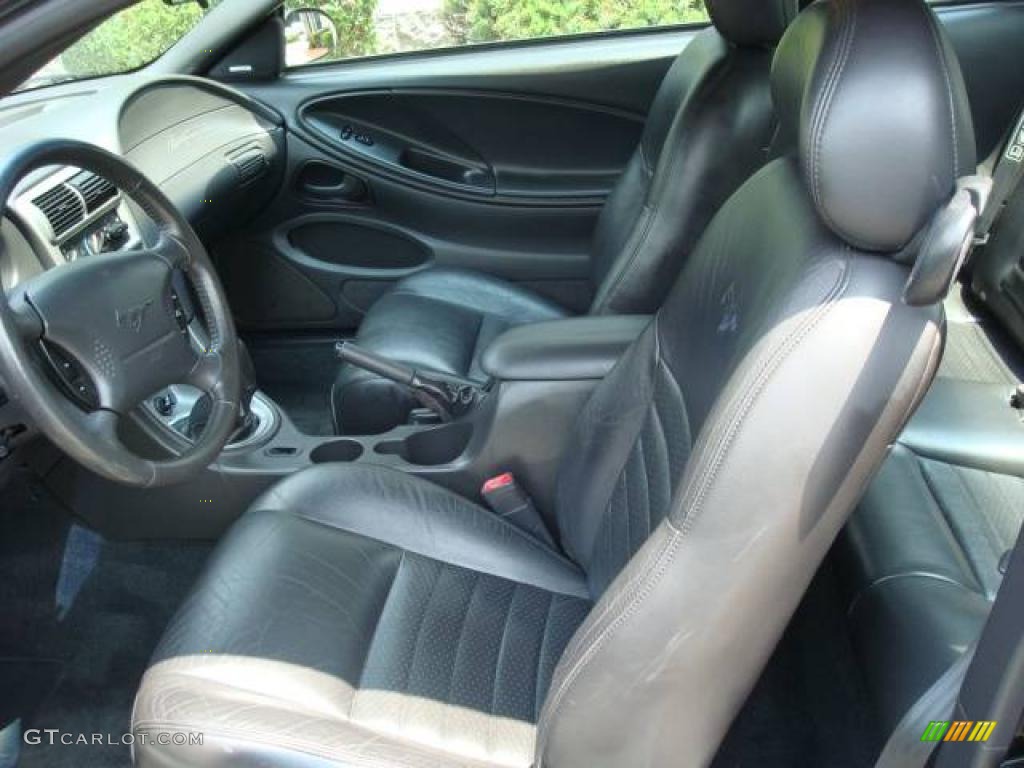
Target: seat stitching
[(497, 662), (824, 105), (410, 667), (645, 496), (946, 521), (373, 635), (667, 556), (625, 495), (949, 86), (541, 654), (760, 380), (823, 102), (446, 712)]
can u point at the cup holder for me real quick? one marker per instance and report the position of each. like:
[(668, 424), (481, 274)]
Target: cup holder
[(431, 447), (336, 451)]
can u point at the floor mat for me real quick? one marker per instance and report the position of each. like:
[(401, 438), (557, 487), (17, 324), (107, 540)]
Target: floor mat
[(297, 373), (80, 630), (810, 708)]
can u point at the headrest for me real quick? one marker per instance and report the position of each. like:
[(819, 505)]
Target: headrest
[(752, 22), (872, 94)]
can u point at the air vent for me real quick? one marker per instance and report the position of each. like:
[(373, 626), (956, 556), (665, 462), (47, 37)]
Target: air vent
[(250, 164), (95, 189), (61, 207)]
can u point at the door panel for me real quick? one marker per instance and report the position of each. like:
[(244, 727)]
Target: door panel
[(478, 142), (492, 158), (497, 160)]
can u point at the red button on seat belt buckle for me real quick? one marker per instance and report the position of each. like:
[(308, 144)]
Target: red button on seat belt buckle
[(498, 481), (504, 496), (510, 502)]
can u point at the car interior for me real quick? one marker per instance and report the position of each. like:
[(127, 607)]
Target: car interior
[(623, 396)]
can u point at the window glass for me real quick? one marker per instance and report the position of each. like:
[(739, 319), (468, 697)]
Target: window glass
[(372, 27), (131, 38)]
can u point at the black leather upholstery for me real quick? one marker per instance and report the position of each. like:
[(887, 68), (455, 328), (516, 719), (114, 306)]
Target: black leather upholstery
[(428, 618), (707, 477), (875, 184), (441, 320), (579, 348), (920, 557), (709, 128)]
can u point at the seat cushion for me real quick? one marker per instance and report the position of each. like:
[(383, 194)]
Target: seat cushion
[(440, 320), (394, 623)]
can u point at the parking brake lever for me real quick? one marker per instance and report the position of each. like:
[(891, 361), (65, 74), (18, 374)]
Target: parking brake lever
[(448, 397)]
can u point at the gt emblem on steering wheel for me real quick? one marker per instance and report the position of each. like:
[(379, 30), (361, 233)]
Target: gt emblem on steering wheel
[(133, 317)]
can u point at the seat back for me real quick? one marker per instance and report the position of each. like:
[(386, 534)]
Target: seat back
[(710, 127), (714, 466)]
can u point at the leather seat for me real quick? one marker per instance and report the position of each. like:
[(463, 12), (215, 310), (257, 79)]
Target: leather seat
[(708, 130), (356, 616), (921, 556)]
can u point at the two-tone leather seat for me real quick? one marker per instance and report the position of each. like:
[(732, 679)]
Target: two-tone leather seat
[(710, 127), (359, 616)]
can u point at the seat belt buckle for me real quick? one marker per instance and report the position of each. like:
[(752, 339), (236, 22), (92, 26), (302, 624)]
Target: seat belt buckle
[(504, 496)]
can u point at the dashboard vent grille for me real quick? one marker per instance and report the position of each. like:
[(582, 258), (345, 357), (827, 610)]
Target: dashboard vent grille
[(95, 189), (61, 207), (250, 163)]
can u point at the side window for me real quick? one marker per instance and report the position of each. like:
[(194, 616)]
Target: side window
[(326, 30)]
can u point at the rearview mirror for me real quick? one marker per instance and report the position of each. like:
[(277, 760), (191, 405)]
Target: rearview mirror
[(310, 35)]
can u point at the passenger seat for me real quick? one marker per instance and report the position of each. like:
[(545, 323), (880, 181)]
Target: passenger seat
[(922, 557), (709, 129)]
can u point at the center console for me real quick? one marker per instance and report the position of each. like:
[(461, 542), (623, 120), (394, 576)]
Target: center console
[(520, 421)]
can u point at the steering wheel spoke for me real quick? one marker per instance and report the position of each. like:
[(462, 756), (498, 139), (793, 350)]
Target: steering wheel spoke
[(207, 372), (102, 426), (27, 322), (170, 249)]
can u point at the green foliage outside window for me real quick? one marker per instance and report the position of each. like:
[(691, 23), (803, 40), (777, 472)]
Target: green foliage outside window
[(132, 38), (354, 20), (363, 32), (479, 21), (140, 33)]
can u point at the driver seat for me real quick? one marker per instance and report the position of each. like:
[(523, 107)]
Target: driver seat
[(356, 616)]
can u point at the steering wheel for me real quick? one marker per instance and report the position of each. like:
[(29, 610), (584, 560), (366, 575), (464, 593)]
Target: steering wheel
[(121, 323)]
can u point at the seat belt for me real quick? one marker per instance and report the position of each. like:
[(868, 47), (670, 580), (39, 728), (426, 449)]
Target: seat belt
[(985, 684), (1006, 175)]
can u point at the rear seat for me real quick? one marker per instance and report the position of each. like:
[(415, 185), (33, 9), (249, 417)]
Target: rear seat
[(921, 557)]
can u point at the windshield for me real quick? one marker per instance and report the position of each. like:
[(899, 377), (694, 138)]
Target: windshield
[(129, 39)]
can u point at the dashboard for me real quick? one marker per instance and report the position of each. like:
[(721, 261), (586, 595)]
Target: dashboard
[(216, 153)]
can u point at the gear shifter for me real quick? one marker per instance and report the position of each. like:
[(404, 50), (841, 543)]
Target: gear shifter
[(247, 420)]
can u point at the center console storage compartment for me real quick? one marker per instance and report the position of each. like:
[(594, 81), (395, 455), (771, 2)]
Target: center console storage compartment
[(431, 447)]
